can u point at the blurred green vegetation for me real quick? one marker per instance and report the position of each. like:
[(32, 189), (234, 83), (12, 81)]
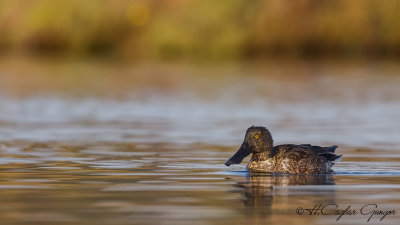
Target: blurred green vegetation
[(200, 29)]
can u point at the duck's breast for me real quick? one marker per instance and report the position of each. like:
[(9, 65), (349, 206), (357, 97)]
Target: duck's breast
[(267, 165)]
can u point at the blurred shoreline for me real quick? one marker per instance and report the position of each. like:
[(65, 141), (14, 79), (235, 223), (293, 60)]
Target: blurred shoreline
[(200, 30)]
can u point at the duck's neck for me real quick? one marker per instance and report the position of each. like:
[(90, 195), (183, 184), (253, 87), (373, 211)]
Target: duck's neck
[(267, 151), (261, 156)]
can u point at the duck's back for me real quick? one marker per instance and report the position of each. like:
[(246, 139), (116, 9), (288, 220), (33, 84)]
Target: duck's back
[(305, 158), (300, 159)]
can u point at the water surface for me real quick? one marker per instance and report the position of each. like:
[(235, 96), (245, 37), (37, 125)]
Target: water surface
[(156, 154)]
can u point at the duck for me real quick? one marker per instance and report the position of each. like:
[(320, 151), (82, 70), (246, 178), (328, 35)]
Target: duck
[(286, 158)]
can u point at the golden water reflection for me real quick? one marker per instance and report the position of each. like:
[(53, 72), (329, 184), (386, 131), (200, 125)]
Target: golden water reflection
[(125, 183), (101, 143)]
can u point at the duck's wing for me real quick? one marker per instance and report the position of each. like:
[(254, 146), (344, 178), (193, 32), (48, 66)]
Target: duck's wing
[(306, 158), (327, 152), (319, 149)]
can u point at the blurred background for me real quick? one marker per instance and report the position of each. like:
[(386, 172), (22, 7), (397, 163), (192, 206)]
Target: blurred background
[(74, 47), (200, 30), (124, 111), (175, 68)]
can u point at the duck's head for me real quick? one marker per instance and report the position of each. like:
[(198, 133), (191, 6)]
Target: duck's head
[(256, 140)]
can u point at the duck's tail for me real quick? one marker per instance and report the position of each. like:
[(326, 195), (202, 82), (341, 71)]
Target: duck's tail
[(337, 158), (331, 149), (332, 157)]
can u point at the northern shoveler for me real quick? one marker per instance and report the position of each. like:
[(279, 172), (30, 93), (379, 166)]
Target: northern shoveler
[(289, 158)]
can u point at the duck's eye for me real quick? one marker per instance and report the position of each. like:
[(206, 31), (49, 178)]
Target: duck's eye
[(256, 136)]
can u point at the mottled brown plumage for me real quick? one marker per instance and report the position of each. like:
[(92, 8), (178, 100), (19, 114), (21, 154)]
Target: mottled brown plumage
[(290, 158)]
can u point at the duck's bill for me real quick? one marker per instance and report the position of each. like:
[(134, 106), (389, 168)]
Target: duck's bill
[(237, 158)]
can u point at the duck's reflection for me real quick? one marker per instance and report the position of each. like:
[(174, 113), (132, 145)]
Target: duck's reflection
[(261, 191)]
